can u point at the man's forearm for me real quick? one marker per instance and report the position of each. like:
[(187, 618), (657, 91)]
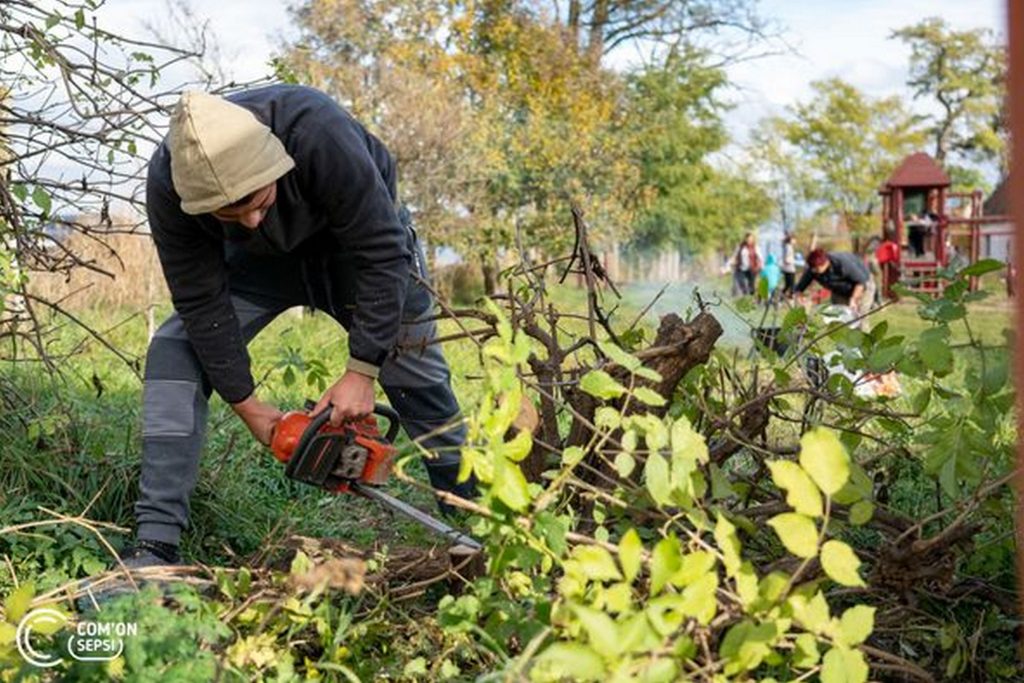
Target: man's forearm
[(855, 297)]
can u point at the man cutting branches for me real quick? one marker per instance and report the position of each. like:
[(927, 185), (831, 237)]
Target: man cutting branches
[(272, 198)]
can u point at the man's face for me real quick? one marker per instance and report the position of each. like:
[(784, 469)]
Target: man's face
[(250, 210), (820, 268)]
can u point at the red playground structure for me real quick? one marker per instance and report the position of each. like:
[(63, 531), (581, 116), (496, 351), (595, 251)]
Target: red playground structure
[(936, 228)]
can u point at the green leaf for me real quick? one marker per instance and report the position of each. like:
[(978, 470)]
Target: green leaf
[(933, 347), (607, 417), (649, 396), (660, 670), (600, 628), (797, 532), (746, 585), (666, 559), (844, 666), (624, 464), (80, 19), (841, 563), (801, 493), (630, 553), (921, 400), (856, 624), (518, 448), (648, 373), (812, 614), (687, 442), (796, 316), (746, 645), (619, 356), (42, 199), (602, 385), (979, 268), (638, 634), (729, 543), (510, 485), (883, 358), (772, 587), (656, 476), (805, 651), (858, 487), (655, 433), (571, 456), (861, 512), (568, 661), (415, 667), (664, 613), (692, 567), (18, 601), (553, 528), (700, 599), (823, 457), (596, 563), (721, 487)]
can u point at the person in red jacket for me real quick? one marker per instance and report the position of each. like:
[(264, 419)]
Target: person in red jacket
[(888, 257)]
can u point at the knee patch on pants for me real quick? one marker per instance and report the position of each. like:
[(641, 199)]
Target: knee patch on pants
[(168, 408)]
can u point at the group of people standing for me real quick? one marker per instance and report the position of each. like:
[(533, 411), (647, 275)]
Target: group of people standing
[(845, 275), (748, 266)]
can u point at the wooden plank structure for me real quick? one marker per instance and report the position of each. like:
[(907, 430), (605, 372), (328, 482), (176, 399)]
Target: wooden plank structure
[(920, 186)]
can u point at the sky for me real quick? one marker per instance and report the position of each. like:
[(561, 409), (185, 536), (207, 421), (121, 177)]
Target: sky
[(846, 38)]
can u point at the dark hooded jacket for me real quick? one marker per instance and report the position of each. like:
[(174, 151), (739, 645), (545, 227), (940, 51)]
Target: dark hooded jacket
[(339, 202)]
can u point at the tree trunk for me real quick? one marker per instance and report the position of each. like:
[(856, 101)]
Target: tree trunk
[(678, 347), (598, 20), (490, 272), (573, 20)]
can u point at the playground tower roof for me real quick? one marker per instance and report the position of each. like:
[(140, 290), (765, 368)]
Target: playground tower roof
[(917, 170)]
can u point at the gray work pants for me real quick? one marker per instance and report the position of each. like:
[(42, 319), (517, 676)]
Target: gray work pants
[(176, 391)]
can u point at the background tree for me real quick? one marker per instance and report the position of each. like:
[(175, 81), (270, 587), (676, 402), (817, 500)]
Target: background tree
[(600, 26), (675, 124), (781, 175), (497, 122), (849, 143), (963, 73)]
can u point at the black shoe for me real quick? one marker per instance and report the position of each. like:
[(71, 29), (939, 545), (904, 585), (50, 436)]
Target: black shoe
[(147, 553), (143, 554)]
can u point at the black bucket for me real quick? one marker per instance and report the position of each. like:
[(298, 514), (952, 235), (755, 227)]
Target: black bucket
[(770, 338)]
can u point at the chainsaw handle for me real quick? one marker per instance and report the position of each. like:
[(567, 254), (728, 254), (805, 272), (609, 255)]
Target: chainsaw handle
[(391, 415), (381, 409)]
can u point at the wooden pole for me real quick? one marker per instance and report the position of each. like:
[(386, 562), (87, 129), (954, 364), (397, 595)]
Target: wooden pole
[(1015, 22)]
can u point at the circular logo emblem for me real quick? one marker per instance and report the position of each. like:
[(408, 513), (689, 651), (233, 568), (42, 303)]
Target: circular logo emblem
[(46, 620)]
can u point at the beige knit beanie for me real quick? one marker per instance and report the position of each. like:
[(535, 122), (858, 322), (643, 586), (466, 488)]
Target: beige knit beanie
[(220, 153)]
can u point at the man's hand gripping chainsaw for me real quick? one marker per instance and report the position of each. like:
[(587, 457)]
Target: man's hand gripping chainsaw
[(334, 458)]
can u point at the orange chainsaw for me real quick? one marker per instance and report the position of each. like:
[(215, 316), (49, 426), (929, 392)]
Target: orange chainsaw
[(353, 458)]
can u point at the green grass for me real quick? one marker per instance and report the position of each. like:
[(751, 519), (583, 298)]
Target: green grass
[(73, 447), (71, 443)]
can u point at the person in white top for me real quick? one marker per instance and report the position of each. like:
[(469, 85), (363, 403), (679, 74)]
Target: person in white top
[(788, 264)]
